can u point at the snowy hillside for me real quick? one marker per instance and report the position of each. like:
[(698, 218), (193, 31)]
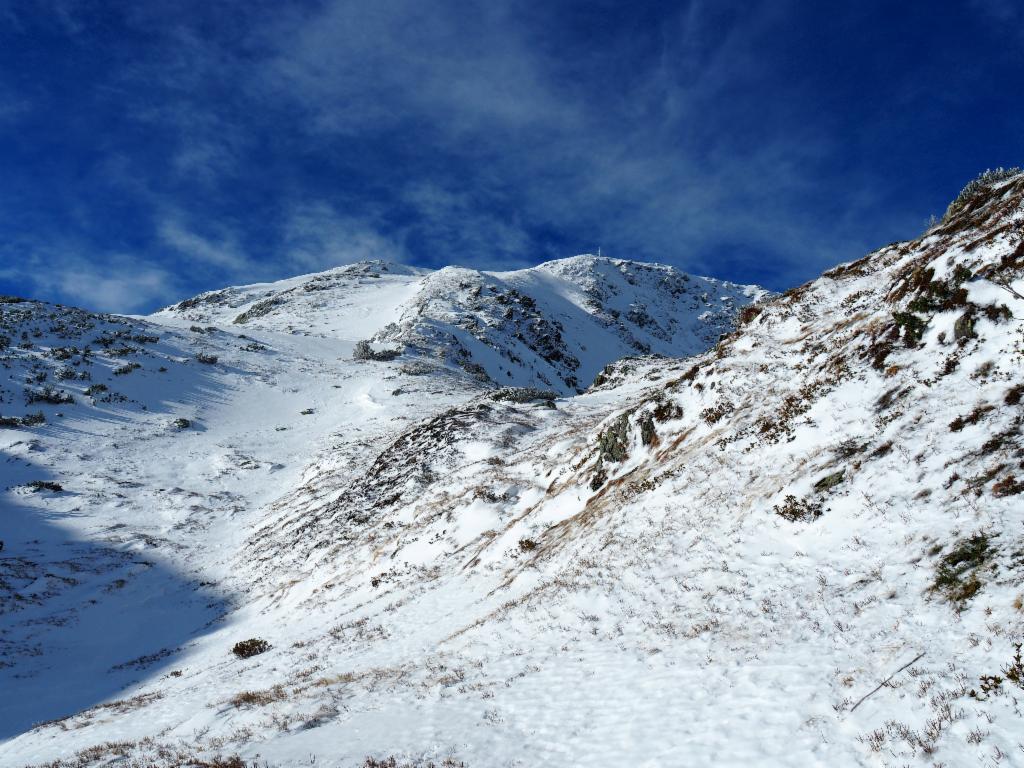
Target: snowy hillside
[(553, 326), (802, 546)]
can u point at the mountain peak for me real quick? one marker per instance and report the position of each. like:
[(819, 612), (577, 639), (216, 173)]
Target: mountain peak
[(555, 325)]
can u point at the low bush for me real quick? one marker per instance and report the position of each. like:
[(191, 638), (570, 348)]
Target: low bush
[(1014, 395), (797, 510), (48, 395), (363, 351), (259, 698), (392, 762), (1008, 486), (522, 394), (717, 413), (246, 649), (957, 572), (912, 325), (45, 485), (957, 424)]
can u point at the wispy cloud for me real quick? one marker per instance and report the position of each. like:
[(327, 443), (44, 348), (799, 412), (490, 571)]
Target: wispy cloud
[(223, 252), (317, 237), (73, 272)]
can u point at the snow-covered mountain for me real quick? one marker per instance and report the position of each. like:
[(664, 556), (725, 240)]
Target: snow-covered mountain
[(552, 326), (802, 545)]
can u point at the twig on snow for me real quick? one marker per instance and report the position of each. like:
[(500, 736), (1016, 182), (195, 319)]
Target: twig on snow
[(890, 677)]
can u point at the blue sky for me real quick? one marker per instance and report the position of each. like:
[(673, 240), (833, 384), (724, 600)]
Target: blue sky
[(152, 150)]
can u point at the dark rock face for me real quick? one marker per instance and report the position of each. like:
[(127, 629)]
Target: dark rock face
[(964, 327), (614, 441)]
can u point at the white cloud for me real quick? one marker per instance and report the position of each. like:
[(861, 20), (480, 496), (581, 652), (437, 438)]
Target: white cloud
[(74, 273), (223, 252), (317, 237)]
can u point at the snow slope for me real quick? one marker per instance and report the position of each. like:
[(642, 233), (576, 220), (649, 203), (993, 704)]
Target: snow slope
[(704, 561)]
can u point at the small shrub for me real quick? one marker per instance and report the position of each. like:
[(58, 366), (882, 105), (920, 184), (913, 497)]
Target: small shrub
[(417, 368), (993, 684), (882, 450), (95, 389), (984, 370), (126, 369), (997, 312), (794, 509), (1014, 671), (1008, 486), (956, 575), (363, 351), (667, 410), (392, 762), (523, 395), (957, 424), (206, 359), (989, 684), (45, 485), (246, 649), (849, 448), (48, 395), (527, 545), (259, 698), (912, 325), (717, 413), (1014, 395), (220, 762), (181, 423), (748, 314)]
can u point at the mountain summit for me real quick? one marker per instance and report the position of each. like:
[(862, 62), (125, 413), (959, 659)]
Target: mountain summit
[(552, 326)]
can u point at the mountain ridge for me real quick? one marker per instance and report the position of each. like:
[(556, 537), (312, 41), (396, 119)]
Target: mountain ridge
[(526, 327)]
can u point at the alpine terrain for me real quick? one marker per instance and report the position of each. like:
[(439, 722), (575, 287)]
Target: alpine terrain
[(591, 513)]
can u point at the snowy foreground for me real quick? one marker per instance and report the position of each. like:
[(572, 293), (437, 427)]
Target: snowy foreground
[(459, 551)]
